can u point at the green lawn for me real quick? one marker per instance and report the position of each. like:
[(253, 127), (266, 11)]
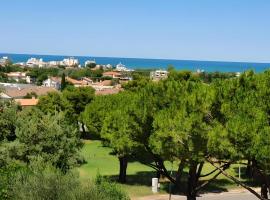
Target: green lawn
[(99, 160)]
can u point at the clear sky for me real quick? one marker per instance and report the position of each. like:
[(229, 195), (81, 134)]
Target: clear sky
[(232, 30)]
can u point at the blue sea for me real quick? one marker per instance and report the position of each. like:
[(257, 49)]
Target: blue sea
[(139, 63)]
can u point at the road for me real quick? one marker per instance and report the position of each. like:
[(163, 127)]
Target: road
[(220, 196)]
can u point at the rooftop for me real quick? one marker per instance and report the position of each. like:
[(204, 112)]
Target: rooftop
[(27, 102)]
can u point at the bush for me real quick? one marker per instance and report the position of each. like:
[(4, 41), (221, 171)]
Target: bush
[(50, 183), (110, 191)]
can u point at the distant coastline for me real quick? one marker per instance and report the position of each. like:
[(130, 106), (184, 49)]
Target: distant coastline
[(143, 63)]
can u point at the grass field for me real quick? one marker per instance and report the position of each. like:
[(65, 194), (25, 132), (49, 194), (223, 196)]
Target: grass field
[(99, 160)]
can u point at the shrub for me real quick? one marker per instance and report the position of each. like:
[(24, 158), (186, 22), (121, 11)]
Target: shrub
[(111, 191), (52, 184)]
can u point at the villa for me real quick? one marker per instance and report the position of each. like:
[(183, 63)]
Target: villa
[(54, 82), (4, 60), (112, 74), (159, 75), (19, 76), (35, 62), (19, 91), (27, 102)]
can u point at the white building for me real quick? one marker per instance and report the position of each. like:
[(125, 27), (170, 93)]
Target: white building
[(109, 66), (159, 74), (33, 62), (54, 63), (70, 62), (88, 62), (120, 67), (19, 76), (4, 60), (53, 82)]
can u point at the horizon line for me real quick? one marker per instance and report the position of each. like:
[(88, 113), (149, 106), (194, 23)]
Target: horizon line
[(147, 58)]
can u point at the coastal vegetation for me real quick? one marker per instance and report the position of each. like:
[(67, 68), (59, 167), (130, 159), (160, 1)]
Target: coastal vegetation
[(190, 130)]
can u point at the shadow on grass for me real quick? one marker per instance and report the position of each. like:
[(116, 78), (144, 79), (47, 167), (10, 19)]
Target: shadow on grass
[(140, 178), (90, 136), (145, 179), (245, 178)]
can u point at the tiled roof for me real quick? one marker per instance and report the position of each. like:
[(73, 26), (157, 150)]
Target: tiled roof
[(56, 79), (111, 74), (74, 81), (104, 83), (15, 92), (27, 102)]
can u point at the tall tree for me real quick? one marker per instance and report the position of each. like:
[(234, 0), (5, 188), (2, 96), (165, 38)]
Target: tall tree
[(50, 137), (63, 81), (241, 126), (78, 99)]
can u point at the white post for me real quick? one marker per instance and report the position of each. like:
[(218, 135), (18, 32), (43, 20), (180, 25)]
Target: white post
[(154, 185)]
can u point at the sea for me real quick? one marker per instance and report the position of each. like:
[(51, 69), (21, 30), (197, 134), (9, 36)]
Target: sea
[(142, 63)]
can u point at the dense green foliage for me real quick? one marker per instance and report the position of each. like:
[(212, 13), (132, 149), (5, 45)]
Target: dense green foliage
[(41, 74), (25, 183), (190, 119)]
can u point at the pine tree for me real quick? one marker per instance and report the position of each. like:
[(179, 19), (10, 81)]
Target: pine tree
[(63, 82)]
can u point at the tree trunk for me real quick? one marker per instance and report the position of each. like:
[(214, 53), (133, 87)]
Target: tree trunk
[(83, 129), (123, 169), (249, 169), (158, 174), (178, 179), (192, 181), (264, 191)]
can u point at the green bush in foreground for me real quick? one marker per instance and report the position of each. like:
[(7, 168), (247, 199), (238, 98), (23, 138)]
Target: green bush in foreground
[(52, 184)]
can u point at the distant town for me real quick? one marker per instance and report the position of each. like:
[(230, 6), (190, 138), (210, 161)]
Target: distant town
[(26, 81)]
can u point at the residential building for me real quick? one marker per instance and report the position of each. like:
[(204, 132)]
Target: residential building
[(70, 62), (19, 76), (54, 82), (102, 85), (27, 102), (159, 75), (87, 81), (80, 83), (109, 66), (19, 91), (112, 74), (4, 60), (54, 63), (35, 62), (120, 67), (88, 62)]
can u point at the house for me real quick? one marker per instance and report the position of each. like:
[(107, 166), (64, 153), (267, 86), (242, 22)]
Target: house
[(159, 75), (112, 74), (80, 83), (70, 62), (19, 76), (54, 82), (27, 102), (19, 91), (125, 79), (4, 61), (87, 81), (102, 85), (90, 62), (33, 62), (76, 83)]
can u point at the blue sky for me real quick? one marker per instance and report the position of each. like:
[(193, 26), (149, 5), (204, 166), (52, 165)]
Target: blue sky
[(231, 30)]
